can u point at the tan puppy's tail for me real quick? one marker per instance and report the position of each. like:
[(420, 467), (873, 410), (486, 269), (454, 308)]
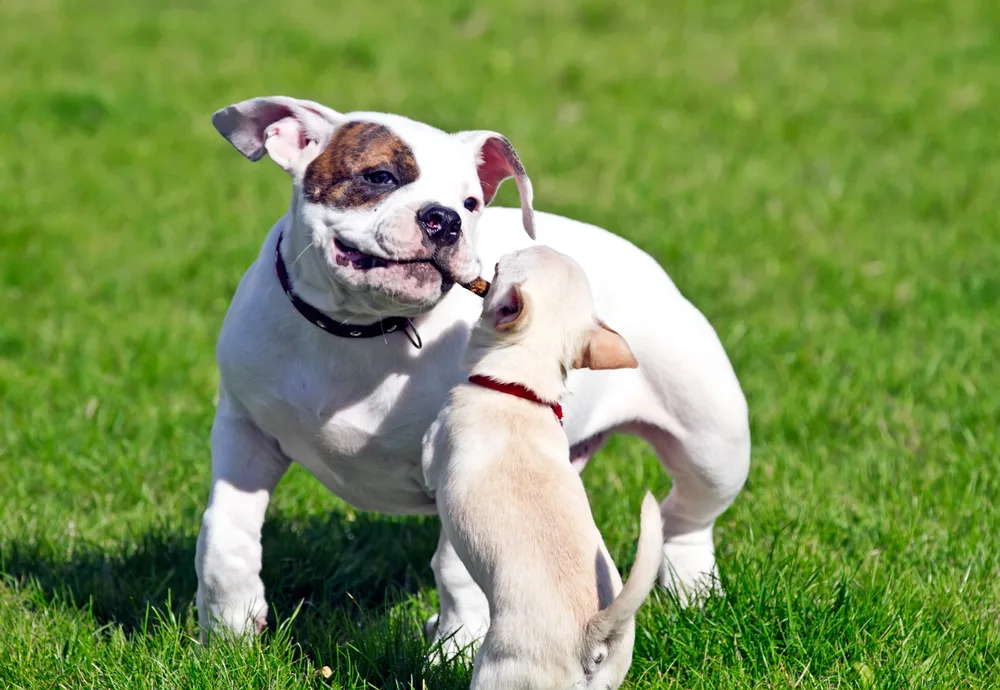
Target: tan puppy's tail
[(609, 623)]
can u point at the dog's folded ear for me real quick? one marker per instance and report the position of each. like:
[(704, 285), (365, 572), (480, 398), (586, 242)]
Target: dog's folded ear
[(496, 160), (510, 310), (292, 131), (603, 348)]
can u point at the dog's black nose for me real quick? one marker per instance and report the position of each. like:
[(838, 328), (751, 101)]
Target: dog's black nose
[(442, 225)]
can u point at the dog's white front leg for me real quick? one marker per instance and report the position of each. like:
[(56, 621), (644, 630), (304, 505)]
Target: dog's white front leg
[(464, 615), (246, 466)]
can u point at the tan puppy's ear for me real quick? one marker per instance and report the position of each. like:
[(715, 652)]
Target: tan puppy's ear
[(603, 348), (511, 310)]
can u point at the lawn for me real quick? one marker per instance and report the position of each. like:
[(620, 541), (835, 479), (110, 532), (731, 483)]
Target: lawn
[(819, 177)]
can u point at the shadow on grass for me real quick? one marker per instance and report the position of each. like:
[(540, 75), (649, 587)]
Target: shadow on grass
[(347, 582)]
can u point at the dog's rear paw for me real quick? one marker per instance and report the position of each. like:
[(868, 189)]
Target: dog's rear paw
[(690, 572)]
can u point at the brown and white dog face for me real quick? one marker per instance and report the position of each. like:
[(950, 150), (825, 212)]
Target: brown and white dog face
[(392, 204)]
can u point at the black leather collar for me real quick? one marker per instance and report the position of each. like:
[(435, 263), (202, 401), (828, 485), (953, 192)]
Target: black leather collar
[(378, 329)]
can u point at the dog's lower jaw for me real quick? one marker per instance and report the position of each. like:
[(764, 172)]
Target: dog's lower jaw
[(397, 289), (355, 296), (325, 277)]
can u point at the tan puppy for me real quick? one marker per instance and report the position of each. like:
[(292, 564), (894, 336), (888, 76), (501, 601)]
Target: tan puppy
[(512, 505)]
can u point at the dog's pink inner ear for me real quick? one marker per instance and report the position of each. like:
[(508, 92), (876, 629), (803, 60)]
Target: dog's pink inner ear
[(496, 161), (603, 348), (284, 141), (510, 309), (244, 124), (287, 129), (496, 166)]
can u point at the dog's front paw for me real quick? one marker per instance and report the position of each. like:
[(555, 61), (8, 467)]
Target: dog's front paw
[(448, 644), (431, 626), (690, 572), (236, 621)]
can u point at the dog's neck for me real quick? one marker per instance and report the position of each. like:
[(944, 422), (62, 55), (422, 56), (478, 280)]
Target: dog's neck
[(310, 276), (313, 282), (517, 362)]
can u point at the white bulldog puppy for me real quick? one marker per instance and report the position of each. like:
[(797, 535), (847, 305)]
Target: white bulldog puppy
[(345, 337)]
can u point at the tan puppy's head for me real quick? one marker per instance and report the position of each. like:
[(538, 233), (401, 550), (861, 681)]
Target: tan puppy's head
[(540, 302)]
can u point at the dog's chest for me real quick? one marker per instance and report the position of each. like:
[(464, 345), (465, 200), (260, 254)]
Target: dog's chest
[(352, 413), (355, 429), (385, 425)]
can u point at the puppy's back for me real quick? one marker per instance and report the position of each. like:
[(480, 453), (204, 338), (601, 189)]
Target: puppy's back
[(512, 492)]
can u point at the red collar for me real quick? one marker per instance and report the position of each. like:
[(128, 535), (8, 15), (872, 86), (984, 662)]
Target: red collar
[(517, 390)]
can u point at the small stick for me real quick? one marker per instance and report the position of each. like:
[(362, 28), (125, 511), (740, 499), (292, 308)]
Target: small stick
[(478, 286)]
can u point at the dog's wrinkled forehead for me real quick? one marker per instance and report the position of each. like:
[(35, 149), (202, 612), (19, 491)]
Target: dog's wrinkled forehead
[(370, 143), (356, 148), (434, 149)]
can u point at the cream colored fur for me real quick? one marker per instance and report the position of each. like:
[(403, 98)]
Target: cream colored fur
[(511, 503)]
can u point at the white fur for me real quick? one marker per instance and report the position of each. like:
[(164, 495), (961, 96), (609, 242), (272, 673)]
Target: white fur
[(353, 412)]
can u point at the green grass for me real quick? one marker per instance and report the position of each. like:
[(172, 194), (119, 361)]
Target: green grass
[(820, 177)]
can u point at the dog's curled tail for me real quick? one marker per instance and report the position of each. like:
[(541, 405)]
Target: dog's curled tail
[(610, 622)]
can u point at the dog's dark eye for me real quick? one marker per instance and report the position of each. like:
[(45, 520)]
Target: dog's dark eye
[(379, 177), (471, 204)]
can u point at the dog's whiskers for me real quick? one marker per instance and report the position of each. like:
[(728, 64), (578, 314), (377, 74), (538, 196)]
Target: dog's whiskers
[(302, 253)]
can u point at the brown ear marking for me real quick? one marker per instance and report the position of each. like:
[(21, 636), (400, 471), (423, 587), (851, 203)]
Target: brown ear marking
[(606, 327), (603, 349), (334, 177)]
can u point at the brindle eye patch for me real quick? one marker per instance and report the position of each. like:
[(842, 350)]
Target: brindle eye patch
[(363, 163)]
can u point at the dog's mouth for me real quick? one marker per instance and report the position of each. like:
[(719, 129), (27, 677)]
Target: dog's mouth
[(357, 259), (349, 256)]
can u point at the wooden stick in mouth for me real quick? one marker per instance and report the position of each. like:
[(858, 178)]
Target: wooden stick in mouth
[(477, 286)]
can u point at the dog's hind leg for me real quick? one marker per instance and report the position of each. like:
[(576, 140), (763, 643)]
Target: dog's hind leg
[(246, 466), (581, 453), (702, 437), (708, 472), (464, 615)]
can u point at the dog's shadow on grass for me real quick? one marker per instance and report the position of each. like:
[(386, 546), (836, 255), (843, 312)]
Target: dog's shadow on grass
[(344, 577), (344, 580)]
